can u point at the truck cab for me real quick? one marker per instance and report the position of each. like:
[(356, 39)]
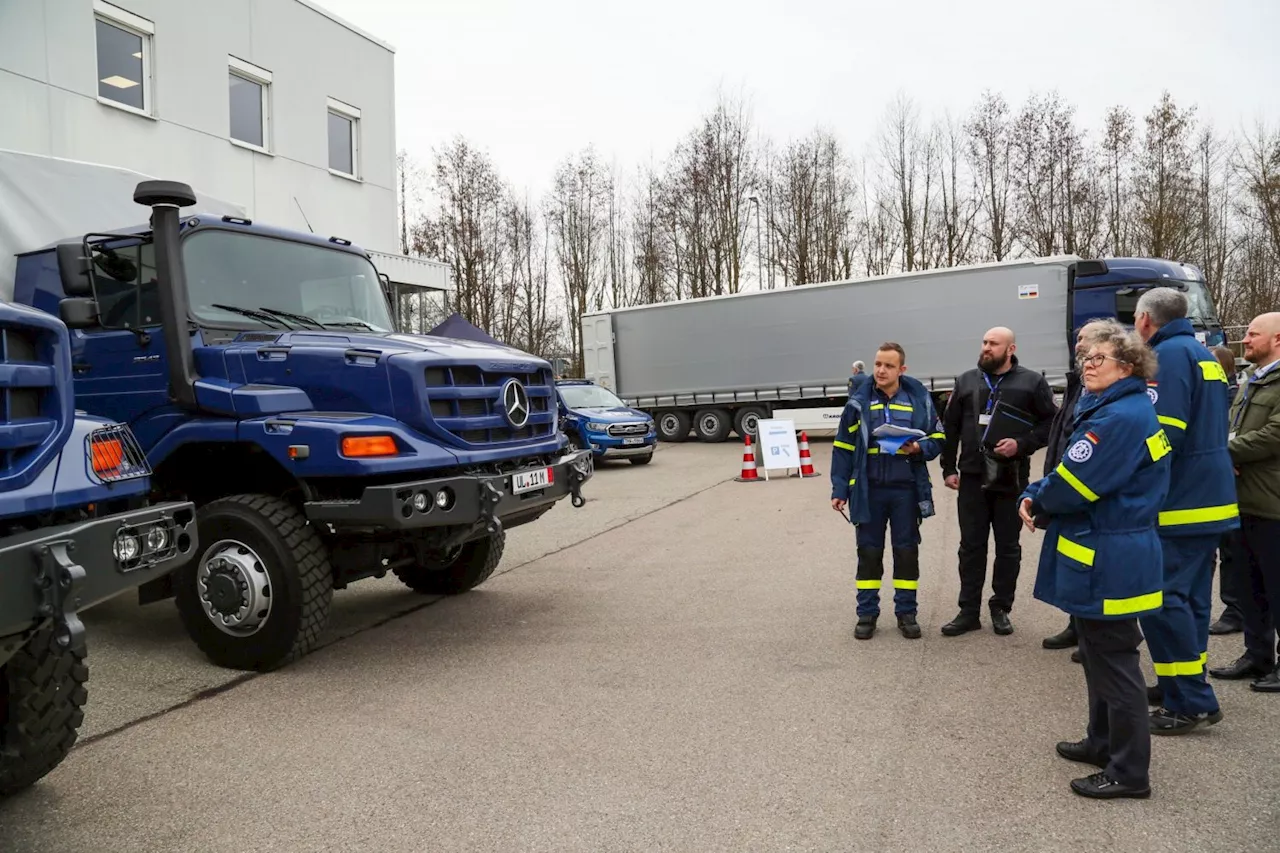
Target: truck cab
[(76, 528), (595, 418), (262, 374), (1111, 287)]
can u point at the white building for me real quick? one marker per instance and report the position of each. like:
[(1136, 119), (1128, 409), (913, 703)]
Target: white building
[(275, 105)]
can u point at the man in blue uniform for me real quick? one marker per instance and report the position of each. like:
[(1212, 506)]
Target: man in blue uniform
[(1189, 392), (884, 483)]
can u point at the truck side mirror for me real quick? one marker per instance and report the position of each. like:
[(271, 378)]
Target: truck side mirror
[(73, 268), (79, 312)]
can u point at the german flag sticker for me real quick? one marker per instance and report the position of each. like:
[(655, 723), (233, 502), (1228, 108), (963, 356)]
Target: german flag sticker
[(1091, 437)]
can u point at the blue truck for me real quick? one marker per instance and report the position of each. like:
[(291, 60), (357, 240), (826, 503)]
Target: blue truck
[(263, 377), (76, 528), (595, 419)]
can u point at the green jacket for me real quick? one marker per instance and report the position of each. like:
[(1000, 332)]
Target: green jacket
[(1255, 445)]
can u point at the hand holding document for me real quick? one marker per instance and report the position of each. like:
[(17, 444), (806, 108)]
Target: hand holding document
[(891, 437)]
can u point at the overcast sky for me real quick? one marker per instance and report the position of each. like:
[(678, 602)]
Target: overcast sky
[(532, 81)]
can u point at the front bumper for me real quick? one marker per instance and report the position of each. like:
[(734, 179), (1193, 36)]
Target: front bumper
[(606, 452), (477, 501), (54, 572)]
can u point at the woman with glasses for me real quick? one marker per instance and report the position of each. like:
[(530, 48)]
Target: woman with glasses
[(1101, 559)]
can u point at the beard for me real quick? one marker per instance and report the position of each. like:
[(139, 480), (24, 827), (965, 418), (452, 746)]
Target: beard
[(990, 363)]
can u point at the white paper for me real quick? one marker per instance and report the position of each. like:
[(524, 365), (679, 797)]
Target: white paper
[(891, 430)]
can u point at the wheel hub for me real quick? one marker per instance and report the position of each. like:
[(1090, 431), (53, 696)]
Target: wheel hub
[(234, 588)]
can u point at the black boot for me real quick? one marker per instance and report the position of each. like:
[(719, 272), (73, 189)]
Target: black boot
[(865, 628), (908, 626), (963, 623), (1064, 639), (1000, 622), (1155, 695)]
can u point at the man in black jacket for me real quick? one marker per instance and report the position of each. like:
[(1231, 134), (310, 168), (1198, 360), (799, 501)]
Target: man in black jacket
[(990, 479)]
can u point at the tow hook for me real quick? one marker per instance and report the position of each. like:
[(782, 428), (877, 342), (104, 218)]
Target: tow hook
[(58, 579), (578, 476), (490, 497)]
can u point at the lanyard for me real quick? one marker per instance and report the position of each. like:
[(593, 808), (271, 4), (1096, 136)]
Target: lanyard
[(1244, 401), (993, 391)]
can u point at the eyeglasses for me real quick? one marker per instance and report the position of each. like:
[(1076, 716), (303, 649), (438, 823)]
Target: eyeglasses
[(1097, 359)]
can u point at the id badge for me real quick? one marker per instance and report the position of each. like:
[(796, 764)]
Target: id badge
[(984, 420), (1230, 436)]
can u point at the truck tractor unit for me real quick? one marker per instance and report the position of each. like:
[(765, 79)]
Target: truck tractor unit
[(594, 418), (262, 374), (718, 365), (75, 530)]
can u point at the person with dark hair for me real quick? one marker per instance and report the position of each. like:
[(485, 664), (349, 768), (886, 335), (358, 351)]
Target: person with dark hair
[(1232, 580), (884, 482), (1101, 560)]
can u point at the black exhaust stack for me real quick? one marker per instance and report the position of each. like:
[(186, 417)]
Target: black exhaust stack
[(165, 198)]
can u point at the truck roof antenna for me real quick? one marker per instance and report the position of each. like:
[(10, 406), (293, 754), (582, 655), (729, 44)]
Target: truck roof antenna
[(304, 215)]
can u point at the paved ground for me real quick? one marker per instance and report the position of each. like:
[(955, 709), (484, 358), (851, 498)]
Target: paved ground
[(670, 668)]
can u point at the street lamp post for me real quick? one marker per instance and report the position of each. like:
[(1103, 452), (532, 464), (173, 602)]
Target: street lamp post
[(755, 199)]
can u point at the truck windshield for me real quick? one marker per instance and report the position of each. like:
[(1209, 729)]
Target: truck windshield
[(1200, 309), (589, 397), (281, 282)]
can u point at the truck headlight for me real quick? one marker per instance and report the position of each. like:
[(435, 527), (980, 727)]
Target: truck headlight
[(157, 539), (126, 548), (594, 427)]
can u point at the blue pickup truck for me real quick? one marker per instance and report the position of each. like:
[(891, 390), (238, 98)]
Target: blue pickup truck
[(262, 374), (595, 419), (75, 529)]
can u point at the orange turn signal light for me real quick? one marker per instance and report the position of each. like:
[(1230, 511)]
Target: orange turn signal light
[(108, 456), (369, 445)]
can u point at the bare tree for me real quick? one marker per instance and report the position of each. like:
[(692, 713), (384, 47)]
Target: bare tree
[(578, 209), (1116, 154), (1164, 184), (958, 204), (908, 156), (990, 152), (409, 179)]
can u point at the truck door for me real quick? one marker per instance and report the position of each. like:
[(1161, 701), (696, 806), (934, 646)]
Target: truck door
[(597, 351)]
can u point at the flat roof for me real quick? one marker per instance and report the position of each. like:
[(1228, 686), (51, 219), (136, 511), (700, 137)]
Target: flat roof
[(316, 7)]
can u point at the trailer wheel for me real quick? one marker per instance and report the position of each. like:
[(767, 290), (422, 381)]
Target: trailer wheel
[(42, 696), (463, 569), (674, 425), (747, 420), (713, 424), (258, 596)]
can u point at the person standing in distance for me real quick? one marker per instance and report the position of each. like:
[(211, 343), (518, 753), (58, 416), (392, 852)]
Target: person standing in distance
[(1255, 449), (988, 502), (886, 485), (1189, 394), (1233, 579), (1101, 560)]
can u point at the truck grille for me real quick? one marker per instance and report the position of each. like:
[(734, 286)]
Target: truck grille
[(466, 402), (30, 405), (629, 429)]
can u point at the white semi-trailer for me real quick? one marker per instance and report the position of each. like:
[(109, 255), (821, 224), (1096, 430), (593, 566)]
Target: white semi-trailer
[(719, 364)]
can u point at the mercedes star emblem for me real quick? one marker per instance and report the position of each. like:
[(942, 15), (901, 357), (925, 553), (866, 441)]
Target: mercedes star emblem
[(515, 402)]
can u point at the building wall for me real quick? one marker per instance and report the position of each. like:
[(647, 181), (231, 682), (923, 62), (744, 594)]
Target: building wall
[(49, 87)]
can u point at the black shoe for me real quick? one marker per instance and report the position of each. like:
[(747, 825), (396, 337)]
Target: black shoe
[(963, 623), (1000, 622), (1226, 626), (1100, 786), (1166, 722), (1244, 667), (1078, 752), (1062, 640), (866, 627), (1075, 656), (1155, 695), (1269, 683), (908, 626)]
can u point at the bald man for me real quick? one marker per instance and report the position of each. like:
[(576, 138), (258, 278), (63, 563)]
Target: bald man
[(1254, 445), (990, 474)]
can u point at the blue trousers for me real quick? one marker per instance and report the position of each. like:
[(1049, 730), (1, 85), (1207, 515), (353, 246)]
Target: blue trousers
[(1178, 634), (893, 507)]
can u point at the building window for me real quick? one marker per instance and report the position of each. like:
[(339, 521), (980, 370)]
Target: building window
[(250, 99), (344, 139), (124, 57)]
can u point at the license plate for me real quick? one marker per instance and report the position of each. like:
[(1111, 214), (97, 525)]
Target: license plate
[(528, 481), (637, 440)]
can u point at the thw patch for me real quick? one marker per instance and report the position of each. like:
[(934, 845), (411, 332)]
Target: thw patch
[(1153, 392), (1081, 451)]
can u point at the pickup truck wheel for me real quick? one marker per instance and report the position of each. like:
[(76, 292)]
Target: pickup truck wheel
[(258, 596), (674, 426), (42, 696), (713, 424), (465, 568), (642, 460)]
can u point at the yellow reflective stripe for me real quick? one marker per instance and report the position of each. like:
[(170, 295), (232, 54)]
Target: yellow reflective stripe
[(1158, 446), (897, 584), (1204, 658), (1213, 370), (854, 428), (1125, 606), (854, 480), (868, 584), (875, 406), (898, 407), (1075, 551), (938, 435), (1074, 482), (843, 446), (1203, 515), (873, 450), (1179, 667), (1174, 422)]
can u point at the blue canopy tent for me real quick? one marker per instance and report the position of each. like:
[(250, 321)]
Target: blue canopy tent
[(457, 326)]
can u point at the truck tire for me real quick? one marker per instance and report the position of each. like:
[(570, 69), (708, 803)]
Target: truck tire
[(746, 420), (674, 425), (469, 566), (42, 696), (264, 575), (712, 425)]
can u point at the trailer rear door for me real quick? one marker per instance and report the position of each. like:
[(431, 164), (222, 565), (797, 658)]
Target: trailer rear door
[(597, 350)]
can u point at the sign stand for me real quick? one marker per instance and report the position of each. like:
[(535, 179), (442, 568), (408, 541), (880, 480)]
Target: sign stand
[(779, 449)]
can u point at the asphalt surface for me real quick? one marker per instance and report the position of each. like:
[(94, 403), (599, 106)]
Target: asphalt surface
[(671, 667)]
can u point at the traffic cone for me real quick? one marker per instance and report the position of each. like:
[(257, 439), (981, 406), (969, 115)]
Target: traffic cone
[(748, 474), (806, 461)]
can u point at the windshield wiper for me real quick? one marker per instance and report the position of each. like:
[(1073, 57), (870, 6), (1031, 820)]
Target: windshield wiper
[(299, 318), (354, 324), (260, 316)]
